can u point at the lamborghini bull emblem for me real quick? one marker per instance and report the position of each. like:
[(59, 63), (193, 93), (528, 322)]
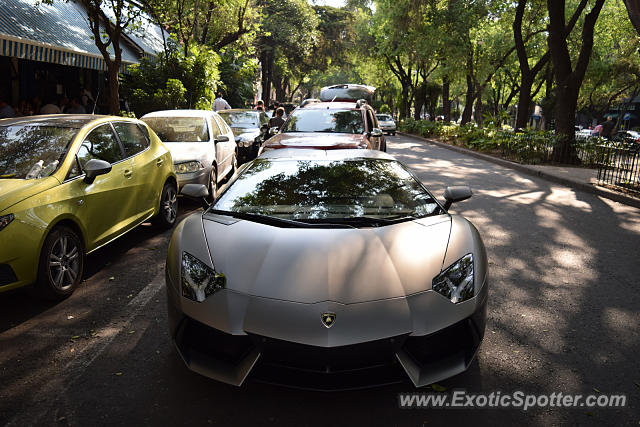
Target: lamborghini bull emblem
[(328, 319)]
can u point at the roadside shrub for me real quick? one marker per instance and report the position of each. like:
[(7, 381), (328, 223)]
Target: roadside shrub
[(526, 146), (172, 80)]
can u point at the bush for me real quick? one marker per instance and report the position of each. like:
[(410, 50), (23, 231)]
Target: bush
[(527, 146), (172, 81)]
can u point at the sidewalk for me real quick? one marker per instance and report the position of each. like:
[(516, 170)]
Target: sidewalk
[(579, 178)]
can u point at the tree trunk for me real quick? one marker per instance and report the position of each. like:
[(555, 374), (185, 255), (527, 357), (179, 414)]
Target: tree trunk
[(114, 87), (468, 101), (633, 9), (265, 60), (446, 102), (404, 104), (418, 102), (478, 111), (568, 80), (565, 151), (524, 103)]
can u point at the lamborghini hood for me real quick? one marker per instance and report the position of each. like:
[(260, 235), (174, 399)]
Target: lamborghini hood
[(310, 265)]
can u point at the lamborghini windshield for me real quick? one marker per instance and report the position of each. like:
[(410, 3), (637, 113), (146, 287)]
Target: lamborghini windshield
[(32, 151), (317, 191)]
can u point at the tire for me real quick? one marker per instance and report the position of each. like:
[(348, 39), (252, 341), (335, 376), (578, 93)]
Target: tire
[(234, 165), (61, 264), (393, 133), (213, 185), (168, 212)]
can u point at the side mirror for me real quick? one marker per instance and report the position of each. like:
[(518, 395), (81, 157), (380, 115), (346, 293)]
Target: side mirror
[(222, 138), (456, 194), (197, 192), (375, 132), (95, 167), (274, 130), (194, 190)]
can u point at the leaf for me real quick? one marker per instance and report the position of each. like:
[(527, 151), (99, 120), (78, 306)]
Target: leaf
[(118, 374), (438, 387), (596, 390)]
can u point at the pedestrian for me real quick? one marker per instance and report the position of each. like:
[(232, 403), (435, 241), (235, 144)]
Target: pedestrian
[(63, 103), (259, 104), (50, 107), (6, 110), (86, 97), (277, 121), (607, 127), (220, 104), (75, 107)]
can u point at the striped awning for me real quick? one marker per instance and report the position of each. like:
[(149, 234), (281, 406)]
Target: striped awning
[(40, 52), (57, 33)]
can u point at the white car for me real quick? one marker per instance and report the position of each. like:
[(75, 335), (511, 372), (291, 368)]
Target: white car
[(386, 123), (202, 145)]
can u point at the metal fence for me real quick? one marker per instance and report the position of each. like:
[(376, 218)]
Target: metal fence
[(619, 166), (539, 149)]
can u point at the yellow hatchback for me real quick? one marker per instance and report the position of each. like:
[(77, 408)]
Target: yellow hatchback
[(70, 184)]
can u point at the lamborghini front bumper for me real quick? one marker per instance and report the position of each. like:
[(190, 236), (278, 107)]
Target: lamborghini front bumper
[(232, 337)]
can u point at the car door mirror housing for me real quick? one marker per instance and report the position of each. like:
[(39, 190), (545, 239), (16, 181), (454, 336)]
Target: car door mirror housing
[(274, 130), (456, 194), (222, 138), (196, 192), (376, 132), (95, 167)]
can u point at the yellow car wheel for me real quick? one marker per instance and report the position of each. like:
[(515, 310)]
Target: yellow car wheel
[(61, 264), (168, 214)]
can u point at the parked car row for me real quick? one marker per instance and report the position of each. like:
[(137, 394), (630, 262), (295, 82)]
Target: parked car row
[(324, 263)]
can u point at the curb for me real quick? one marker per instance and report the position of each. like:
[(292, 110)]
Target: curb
[(587, 188)]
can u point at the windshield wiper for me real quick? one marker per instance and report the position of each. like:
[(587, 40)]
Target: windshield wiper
[(366, 221), (272, 220)]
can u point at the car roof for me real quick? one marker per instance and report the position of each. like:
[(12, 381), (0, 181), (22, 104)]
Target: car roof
[(63, 120), (239, 110), (330, 106), (179, 113), (319, 154)]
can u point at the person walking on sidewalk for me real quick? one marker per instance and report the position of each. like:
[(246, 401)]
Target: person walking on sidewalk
[(220, 104), (607, 127)]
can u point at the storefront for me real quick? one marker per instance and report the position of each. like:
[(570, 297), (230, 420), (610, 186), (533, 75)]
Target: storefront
[(47, 52)]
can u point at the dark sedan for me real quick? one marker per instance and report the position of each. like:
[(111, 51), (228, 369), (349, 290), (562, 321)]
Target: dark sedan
[(249, 127)]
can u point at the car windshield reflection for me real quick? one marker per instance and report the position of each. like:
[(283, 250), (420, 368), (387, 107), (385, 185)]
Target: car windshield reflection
[(179, 129), (33, 151), (356, 191), (240, 120)]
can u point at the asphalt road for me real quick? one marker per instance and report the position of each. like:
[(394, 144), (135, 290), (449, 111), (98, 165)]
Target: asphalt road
[(563, 317)]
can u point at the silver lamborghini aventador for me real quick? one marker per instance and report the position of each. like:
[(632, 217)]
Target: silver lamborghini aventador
[(327, 270)]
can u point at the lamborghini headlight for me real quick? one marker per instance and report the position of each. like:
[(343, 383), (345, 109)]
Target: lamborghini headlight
[(188, 167), (5, 220), (456, 282), (198, 279)]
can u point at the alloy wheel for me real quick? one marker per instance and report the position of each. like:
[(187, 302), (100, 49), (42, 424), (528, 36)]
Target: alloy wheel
[(64, 262)]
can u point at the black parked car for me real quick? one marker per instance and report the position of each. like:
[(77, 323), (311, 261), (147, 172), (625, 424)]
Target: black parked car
[(249, 128)]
